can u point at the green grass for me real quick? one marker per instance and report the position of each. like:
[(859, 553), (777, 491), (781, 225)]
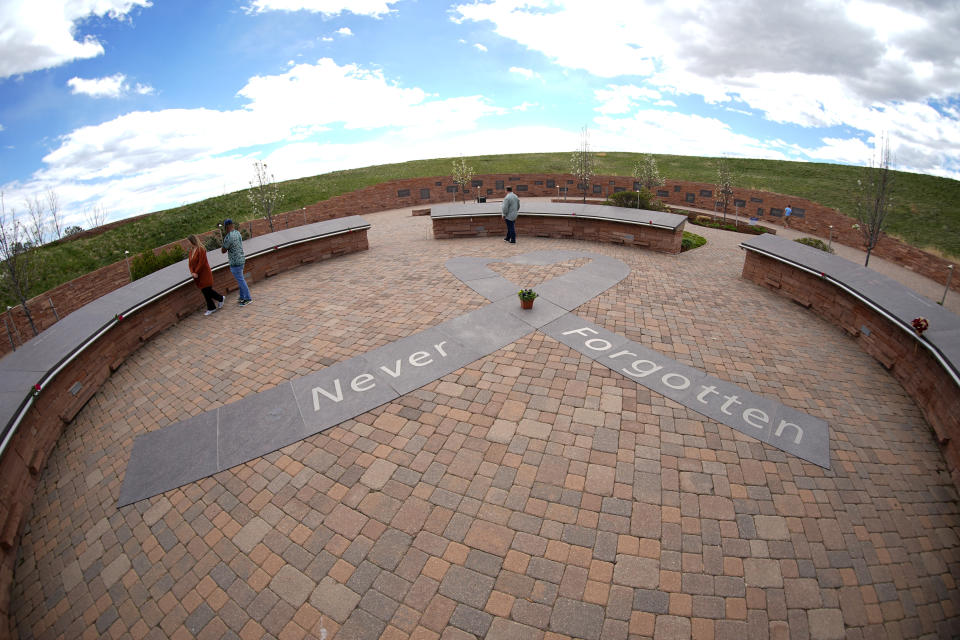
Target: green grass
[(691, 241), (927, 211)]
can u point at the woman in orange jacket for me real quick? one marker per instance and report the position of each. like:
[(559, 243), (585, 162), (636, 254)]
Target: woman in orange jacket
[(202, 276)]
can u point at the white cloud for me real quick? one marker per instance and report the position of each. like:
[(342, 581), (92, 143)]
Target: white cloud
[(2, 127), (622, 98), (372, 8), (39, 35), (344, 31), (161, 158), (529, 74), (480, 47), (872, 65), (115, 86), (327, 39), (108, 87)]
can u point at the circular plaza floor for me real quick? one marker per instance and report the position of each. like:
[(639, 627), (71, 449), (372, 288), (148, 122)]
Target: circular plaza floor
[(616, 513)]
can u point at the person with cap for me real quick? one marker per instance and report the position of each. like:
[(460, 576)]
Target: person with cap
[(233, 247)]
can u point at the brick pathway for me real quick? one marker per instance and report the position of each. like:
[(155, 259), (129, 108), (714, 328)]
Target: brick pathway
[(533, 494)]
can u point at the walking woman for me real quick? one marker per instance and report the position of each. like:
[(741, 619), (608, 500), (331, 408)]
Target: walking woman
[(202, 276)]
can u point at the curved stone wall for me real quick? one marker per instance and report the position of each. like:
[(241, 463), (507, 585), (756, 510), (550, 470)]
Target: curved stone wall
[(72, 362), (877, 312)]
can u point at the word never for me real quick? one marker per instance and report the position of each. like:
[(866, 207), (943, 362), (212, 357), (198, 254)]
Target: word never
[(366, 381)]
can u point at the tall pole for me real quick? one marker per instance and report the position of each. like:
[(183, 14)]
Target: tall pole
[(830, 239), (947, 288), (126, 258)]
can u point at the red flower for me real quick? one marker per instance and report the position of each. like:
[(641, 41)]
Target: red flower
[(36, 389), (920, 324)]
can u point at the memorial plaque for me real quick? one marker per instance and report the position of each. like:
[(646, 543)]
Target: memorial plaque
[(499, 185), (452, 188), (521, 187), (706, 193), (691, 197), (677, 188), (619, 189), (538, 183), (476, 183), (755, 199), (663, 194), (403, 193), (759, 212), (438, 184), (551, 184), (776, 213), (598, 188), (799, 213), (740, 203), (424, 194)]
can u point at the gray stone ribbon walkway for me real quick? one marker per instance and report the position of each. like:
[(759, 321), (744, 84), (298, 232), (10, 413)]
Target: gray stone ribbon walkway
[(264, 422)]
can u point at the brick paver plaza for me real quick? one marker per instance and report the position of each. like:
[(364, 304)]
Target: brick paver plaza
[(531, 494)]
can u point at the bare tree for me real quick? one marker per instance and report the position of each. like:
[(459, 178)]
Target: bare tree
[(646, 173), (18, 257), (874, 197), (462, 175), (724, 185), (37, 229), (582, 163), (53, 213), (264, 195), (95, 216)]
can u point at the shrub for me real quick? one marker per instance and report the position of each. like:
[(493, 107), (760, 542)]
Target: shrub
[(816, 243), (691, 241), (148, 262), (629, 199)]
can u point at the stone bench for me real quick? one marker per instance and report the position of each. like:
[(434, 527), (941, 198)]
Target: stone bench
[(653, 230), (74, 357), (877, 312)]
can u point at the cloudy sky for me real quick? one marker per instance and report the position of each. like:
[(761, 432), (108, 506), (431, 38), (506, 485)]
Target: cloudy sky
[(137, 105)]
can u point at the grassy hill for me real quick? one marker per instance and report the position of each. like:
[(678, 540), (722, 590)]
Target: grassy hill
[(926, 213)]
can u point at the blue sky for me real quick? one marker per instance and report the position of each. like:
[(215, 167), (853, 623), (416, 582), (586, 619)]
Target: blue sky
[(132, 105)]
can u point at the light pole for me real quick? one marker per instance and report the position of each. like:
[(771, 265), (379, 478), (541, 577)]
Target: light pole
[(945, 289), (126, 258), (830, 239)]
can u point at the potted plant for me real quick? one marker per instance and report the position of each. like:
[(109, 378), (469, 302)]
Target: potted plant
[(527, 296)]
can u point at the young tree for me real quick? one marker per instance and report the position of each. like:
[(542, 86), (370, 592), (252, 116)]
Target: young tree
[(724, 185), (462, 175), (582, 163), (19, 260), (646, 173), (37, 229), (72, 230), (264, 194), (53, 213), (95, 215), (874, 197)]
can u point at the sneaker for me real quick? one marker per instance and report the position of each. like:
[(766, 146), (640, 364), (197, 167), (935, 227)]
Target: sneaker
[(244, 303), (209, 312), (505, 240), (220, 304)]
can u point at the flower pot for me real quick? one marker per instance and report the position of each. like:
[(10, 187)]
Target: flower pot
[(526, 304)]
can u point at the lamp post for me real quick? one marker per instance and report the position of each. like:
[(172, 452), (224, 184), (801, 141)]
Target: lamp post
[(830, 239), (126, 258), (945, 289)]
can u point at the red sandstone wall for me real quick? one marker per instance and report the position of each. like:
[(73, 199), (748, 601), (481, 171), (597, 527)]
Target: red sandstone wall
[(387, 195), (653, 238), (914, 368), (27, 453)]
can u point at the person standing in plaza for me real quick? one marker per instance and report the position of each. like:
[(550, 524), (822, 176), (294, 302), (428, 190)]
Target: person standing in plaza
[(202, 275), (786, 216), (233, 247), (510, 210)]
